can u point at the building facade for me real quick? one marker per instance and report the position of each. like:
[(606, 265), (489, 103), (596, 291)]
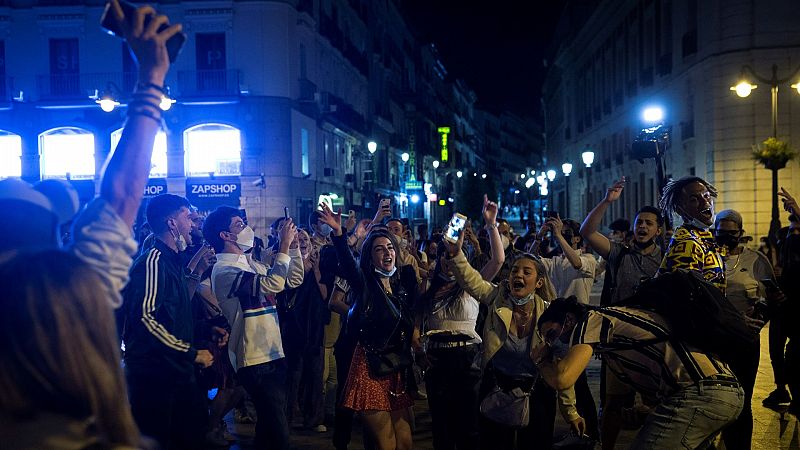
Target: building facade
[(275, 104), (614, 59)]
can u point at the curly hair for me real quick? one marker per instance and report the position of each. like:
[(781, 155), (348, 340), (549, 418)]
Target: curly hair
[(673, 192)]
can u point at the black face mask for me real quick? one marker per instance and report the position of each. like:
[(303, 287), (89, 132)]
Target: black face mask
[(644, 245), (730, 240)]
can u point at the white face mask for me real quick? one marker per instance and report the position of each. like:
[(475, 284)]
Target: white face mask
[(180, 241), (325, 230), (245, 238), (504, 240), (403, 243)]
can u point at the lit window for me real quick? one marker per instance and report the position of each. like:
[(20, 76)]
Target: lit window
[(158, 161), (67, 152), (212, 149), (10, 155), (304, 150)]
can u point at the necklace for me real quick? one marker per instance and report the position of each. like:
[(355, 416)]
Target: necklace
[(732, 271)]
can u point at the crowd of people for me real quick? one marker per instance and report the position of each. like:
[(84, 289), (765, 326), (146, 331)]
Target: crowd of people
[(112, 342)]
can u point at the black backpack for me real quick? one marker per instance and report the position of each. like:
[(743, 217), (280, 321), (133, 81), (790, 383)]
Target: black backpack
[(697, 311)]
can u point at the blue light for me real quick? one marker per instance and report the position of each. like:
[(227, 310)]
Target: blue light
[(414, 198), (653, 115)]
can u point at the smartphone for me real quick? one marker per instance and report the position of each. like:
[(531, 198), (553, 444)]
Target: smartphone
[(454, 228), (551, 214), (385, 202), (285, 212), (626, 179), (107, 22)]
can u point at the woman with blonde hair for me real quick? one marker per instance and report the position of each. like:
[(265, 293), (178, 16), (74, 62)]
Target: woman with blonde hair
[(509, 336), (61, 386)]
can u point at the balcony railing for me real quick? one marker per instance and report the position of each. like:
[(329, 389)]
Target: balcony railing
[(83, 85), (198, 83)]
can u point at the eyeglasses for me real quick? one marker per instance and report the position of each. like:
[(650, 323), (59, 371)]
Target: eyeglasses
[(239, 225)]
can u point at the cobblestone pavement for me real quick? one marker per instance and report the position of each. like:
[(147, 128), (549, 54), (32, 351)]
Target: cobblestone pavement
[(773, 430)]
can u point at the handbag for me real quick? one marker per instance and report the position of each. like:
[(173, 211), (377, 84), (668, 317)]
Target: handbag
[(387, 362), (510, 408)]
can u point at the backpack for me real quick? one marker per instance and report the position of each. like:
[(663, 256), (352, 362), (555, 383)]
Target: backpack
[(610, 278), (698, 313)]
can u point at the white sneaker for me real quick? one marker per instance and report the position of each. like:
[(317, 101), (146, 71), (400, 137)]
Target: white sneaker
[(320, 428)]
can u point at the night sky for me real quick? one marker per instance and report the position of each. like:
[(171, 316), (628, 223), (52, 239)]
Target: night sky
[(496, 46)]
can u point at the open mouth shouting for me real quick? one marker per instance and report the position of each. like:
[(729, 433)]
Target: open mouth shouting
[(517, 285), (387, 262), (707, 215)]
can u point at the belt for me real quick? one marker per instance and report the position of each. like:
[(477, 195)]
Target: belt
[(719, 380), (433, 345)]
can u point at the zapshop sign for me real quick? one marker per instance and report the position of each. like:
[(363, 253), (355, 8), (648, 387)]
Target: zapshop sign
[(155, 186), (208, 194)]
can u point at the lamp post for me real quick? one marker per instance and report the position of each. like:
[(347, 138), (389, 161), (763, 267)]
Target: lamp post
[(588, 158), (743, 89), (566, 169)]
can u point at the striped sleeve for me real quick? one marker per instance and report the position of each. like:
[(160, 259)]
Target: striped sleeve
[(152, 300)]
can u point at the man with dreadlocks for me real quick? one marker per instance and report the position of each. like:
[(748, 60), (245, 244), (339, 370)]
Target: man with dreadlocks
[(692, 246)]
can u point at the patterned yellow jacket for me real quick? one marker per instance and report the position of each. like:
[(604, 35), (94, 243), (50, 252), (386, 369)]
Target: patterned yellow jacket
[(695, 249)]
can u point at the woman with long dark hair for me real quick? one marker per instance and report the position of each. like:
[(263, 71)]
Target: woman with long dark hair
[(382, 319)]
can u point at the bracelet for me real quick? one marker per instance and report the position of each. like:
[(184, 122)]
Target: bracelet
[(147, 85), (492, 225), (145, 113), (193, 276), (136, 95)]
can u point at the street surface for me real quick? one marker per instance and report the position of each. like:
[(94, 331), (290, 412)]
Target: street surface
[(772, 430)]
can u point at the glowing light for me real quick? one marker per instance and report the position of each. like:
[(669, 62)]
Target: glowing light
[(588, 158), (459, 174), (522, 176), (653, 114), (158, 160), (743, 89), (566, 168), (483, 175), (405, 157), (530, 183), (333, 196), (166, 103), (543, 190), (10, 155), (442, 202), (67, 151), (451, 199), (107, 104), (533, 172), (551, 174), (796, 86), (435, 163), (414, 198), (212, 148), (474, 174), (516, 191), (444, 131), (372, 146)]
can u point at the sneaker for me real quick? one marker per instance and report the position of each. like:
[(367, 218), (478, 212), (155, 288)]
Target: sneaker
[(777, 398), (321, 428)]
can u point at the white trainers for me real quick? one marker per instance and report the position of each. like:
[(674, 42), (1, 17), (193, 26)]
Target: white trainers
[(320, 428)]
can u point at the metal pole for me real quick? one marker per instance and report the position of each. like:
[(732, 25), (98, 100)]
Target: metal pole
[(566, 207), (775, 223)]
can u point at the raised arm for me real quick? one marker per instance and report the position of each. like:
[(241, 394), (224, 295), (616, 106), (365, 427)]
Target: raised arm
[(347, 264), (591, 225), (493, 266), (467, 277), (570, 253), (126, 171)]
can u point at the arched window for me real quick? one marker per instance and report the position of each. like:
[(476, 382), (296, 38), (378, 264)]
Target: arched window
[(67, 151), (158, 162), (10, 155), (212, 149)]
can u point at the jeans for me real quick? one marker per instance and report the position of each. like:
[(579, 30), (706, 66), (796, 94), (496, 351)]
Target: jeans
[(266, 384), (692, 417), (452, 383), (171, 412)]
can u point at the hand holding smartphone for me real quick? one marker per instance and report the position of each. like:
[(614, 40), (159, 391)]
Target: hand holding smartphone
[(109, 23), (454, 228)]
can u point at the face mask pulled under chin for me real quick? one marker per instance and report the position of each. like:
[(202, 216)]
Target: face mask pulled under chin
[(505, 241), (522, 301), (697, 223), (245, 238)]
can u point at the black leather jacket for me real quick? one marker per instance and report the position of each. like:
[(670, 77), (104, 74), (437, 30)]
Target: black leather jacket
[(380, 321)]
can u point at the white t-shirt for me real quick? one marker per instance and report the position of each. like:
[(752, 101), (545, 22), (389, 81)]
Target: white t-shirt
[(570, 281)]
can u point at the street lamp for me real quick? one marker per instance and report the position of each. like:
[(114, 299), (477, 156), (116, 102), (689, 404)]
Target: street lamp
[(551, 174), (372, 146), (404, 156), (566, 168), (483, 175), (588, 159), (435, 163), (653, 115), (522, 176), (459, 174), (743, 89)]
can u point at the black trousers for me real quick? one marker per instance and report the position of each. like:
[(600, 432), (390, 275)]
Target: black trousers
[(343, 417), (777, 345), (539, 432), (587, 408), (304, 385), (739, 434), (173, 412), (266, 384), (452, 383)]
